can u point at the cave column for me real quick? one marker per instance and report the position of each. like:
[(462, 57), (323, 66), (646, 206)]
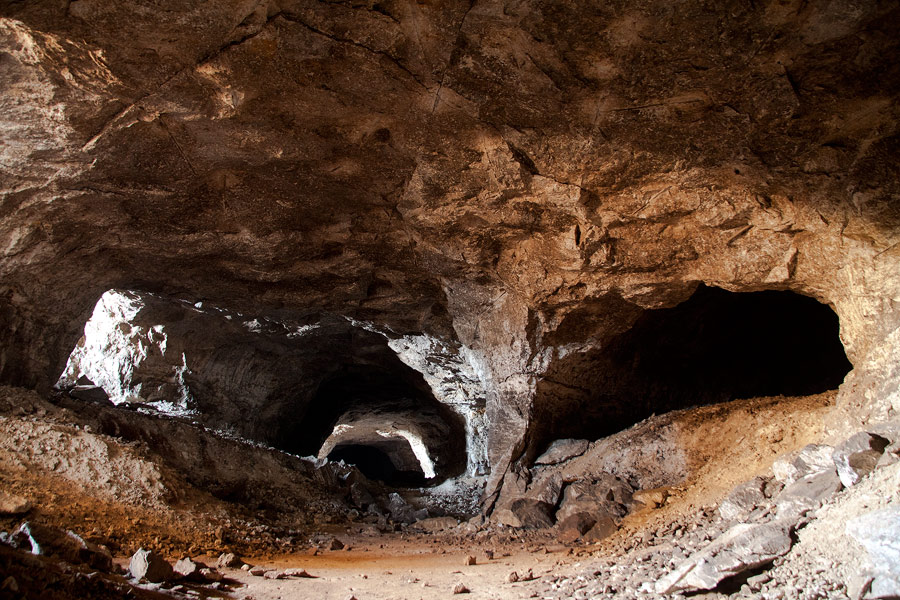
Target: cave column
[(495, 325)]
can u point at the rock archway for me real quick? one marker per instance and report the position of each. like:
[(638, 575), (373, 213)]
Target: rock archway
[(308, 389), (713, 347)]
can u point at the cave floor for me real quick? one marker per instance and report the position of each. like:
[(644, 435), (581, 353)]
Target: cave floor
[(44, 451)]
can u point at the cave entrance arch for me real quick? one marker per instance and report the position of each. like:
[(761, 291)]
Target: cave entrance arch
[(714, 347), (383, 419), (286, 384)]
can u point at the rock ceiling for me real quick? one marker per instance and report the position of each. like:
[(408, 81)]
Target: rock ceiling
[(516, 180)]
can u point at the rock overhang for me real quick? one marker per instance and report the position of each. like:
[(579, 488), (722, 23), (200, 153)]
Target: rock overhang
[(457, 173)]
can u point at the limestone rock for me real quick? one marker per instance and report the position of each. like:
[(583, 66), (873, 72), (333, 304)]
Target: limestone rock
[(602, 528), (741, 548), (189, 569), (546, 487), (879, 534), (67, 545), (146, 564), (460, 588), (400, 510), (525, 513), (297, 572), (211, 574), (653, 498), (607, 495), (562, 450), (90, 393), (743, 499), (334, 544), (806, 494), (810, 459), (229, 560), (437, 524), (857, 456), (574, 526)]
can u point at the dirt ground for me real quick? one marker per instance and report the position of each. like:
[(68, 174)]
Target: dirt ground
[(46, 456)]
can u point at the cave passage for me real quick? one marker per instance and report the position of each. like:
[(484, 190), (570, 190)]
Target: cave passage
[(326, 388), (380, 462), (383, 419), (714, 347)]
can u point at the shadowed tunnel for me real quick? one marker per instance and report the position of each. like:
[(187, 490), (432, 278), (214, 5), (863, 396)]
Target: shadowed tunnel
[(714, 347)]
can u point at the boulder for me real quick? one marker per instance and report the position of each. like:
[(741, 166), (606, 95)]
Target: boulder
[(653, 498), (273, 574), (562, 450), (146, 564), (546, 488), (90, 393), (525, 513), (857, 457), (189, 569), (360, 495), (879, 533), (229, 560), (608, 495), (809, 460), (743, 499), (400, 510), (67, 545), (603, 528), (574, 526), (334, 544), (806, 494), (740, 549)]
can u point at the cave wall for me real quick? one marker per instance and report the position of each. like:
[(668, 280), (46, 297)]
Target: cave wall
[(494, 183)]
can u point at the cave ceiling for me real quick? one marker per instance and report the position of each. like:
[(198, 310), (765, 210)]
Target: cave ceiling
[(520, 178)]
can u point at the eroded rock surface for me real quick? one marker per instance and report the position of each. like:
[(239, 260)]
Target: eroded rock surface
[(501, 191)]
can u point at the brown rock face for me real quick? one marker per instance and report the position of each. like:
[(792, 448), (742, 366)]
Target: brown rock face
[(501, 191)]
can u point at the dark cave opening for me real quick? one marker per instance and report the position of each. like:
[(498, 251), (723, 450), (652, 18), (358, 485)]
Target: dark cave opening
[(379, 462), (384, 419), (714, 347)]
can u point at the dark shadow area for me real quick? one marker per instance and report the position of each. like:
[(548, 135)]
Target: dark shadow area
[(389, 392), (714, 347), (376, 463)]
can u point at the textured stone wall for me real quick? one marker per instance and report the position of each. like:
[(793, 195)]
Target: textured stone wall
[(504, 182)]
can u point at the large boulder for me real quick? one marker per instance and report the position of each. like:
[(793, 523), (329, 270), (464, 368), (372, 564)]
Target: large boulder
[(740, 549), (810, 459), (562, 450), (146, 564), (744, 499), (856, 457), (806, 494), (605, 496), (66, 545), (525, 513)]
